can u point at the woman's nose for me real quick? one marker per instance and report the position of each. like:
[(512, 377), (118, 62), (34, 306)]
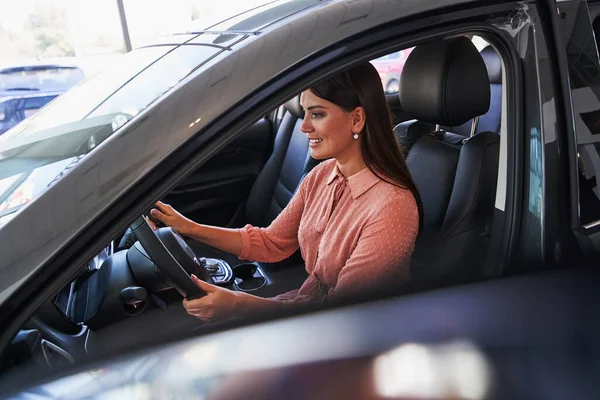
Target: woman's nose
[(306, 126)]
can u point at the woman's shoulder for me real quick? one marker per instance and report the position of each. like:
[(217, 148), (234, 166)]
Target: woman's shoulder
[(391, 195), (395, 206)]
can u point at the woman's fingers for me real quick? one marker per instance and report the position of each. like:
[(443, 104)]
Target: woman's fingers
[(163, 207), (157, 214), (219, 303), (207, 287), (200, 315), (194, 305), (197, 308)]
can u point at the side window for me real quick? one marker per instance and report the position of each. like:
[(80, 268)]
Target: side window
[(589, 147), (584, 74), (390, 67)]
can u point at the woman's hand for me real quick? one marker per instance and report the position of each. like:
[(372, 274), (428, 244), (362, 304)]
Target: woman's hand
[(170, 217), (218, 304)]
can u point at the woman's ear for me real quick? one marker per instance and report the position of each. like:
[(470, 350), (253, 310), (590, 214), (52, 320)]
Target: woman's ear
[(359, 119)]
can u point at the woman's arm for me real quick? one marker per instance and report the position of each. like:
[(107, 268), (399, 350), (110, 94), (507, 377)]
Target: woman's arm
[(220, 304), (274, 243), (280, 239)]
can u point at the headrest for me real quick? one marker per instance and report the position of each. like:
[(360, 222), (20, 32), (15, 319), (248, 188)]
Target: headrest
[(493, 64), (294, 107), (445, 82)]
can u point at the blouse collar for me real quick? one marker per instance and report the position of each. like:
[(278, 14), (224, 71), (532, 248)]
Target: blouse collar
[(359, 183)]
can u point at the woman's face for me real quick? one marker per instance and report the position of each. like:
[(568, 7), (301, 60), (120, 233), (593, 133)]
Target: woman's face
[(330, 129)]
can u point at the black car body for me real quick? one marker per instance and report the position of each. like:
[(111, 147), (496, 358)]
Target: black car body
[(519, 323)]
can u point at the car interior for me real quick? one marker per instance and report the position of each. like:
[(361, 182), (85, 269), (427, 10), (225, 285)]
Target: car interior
[(451, 139)]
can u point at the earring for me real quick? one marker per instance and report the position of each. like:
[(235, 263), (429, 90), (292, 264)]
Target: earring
[(355, 136)]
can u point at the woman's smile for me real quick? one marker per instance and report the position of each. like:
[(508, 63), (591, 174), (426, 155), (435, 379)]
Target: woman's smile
[(314, 142)]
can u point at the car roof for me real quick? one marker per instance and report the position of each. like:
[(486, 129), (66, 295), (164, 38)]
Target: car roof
[(257, 18), (250, 21), (262, 54)]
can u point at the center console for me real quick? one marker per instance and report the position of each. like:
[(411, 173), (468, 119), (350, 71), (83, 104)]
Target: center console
[(246, 277)]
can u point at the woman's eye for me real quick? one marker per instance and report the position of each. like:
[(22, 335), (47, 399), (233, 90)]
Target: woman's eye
[(316, 115)]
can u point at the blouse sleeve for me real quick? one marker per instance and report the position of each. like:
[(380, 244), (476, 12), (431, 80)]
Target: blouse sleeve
[(280, 239), (382, 254)]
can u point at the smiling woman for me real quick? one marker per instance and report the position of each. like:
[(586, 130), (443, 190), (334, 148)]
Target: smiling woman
[(355, 217)]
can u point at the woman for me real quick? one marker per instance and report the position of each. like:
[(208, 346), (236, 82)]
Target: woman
[(355, 217)]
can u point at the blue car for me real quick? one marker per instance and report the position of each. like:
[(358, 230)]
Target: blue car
[(24, 89)]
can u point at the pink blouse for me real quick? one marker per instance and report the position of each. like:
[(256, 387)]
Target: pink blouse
[(354, 234)]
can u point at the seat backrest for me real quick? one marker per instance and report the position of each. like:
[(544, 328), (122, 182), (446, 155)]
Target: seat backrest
[(490, 121), (283, 171), (446, 83)]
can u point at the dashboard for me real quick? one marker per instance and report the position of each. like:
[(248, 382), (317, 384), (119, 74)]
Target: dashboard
[(57, 335), (117, 299), (69, 297)]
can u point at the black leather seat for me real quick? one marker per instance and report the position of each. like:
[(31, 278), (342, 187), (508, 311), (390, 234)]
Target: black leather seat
[(283, 172), (278, 180), (446, 83), (490, 121)]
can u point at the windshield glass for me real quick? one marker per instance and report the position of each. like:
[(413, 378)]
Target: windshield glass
[(42, 146)]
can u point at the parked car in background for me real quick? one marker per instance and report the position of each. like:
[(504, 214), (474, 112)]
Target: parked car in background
[(390, 67), (25, 88), (14, 109)]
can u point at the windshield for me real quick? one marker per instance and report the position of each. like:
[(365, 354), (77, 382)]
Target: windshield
[(37, 151)]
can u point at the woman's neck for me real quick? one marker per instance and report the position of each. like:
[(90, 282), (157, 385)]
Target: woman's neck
[(349, 166)]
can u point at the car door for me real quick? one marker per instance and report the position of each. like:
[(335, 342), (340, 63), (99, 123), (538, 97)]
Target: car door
[(217, 191)]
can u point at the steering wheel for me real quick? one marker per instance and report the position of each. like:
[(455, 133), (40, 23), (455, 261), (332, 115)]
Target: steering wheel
[(172, 255)]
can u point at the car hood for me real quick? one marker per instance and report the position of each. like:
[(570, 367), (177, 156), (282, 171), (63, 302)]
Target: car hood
[(18, 190)]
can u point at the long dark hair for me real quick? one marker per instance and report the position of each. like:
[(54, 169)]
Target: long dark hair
[(361, 87)]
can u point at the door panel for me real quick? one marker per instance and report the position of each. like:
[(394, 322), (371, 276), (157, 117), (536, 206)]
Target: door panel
[(219, 188)]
